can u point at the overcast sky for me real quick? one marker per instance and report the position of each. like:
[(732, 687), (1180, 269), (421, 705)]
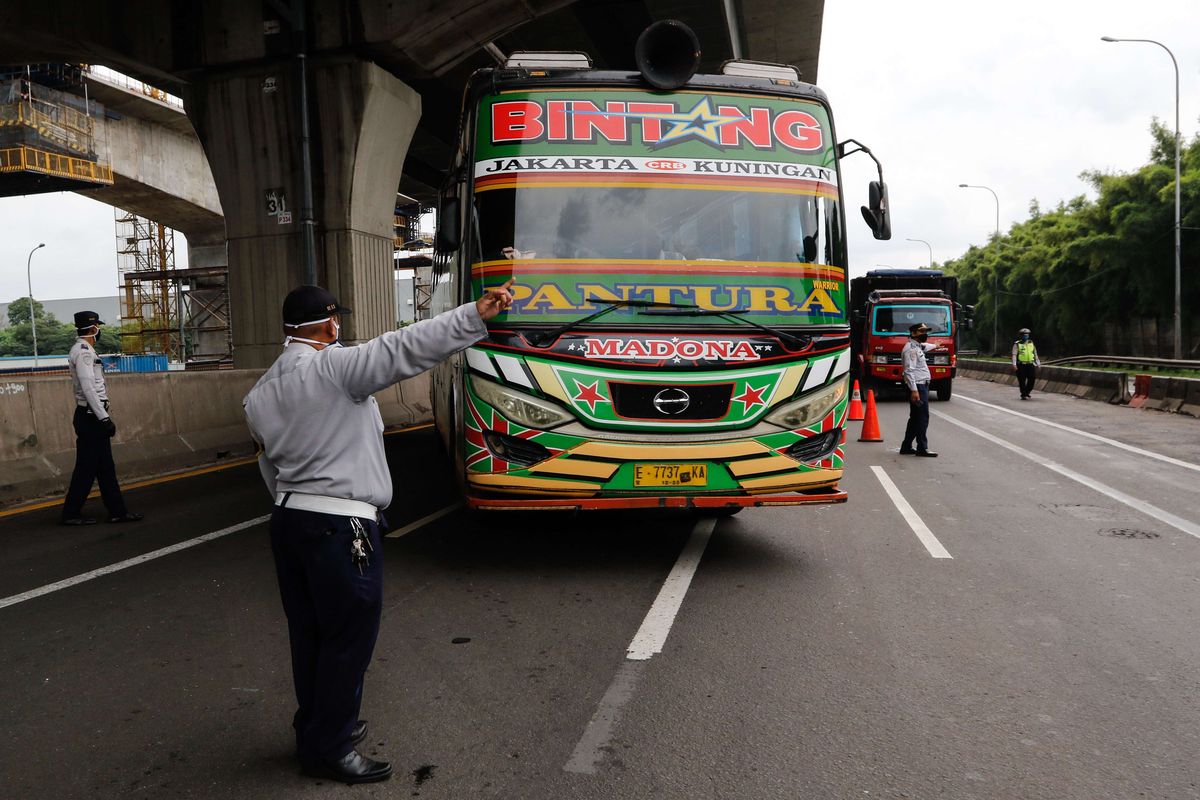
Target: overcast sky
[(1020, 96)]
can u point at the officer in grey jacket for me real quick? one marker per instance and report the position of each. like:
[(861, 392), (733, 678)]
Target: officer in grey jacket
[(94, 429), (319, 427)]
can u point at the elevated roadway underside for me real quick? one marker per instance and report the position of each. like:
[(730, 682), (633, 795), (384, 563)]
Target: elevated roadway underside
[(819, 652), (432, 47)]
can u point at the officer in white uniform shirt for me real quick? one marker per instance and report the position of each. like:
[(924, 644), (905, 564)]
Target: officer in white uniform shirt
[(916, 380), (94, 429), (323, 461)]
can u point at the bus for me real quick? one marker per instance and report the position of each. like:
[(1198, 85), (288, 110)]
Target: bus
[(679, 334)]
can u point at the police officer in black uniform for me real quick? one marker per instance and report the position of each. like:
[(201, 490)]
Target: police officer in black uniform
[(94, 430)]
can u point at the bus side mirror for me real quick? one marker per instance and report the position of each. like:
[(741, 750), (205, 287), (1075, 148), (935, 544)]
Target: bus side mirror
[(877, 216), (448, 237)]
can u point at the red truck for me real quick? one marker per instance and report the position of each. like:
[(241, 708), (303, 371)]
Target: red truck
[(883, 304)]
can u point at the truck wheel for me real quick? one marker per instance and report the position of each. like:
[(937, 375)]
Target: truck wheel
[(943, 388)]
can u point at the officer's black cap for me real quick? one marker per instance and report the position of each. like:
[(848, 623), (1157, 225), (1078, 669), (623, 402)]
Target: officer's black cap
[(86, 319), (920, 327), (306, 304)]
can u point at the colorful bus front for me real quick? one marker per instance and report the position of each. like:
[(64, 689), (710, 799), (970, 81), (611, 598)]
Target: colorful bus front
[(679, 334)]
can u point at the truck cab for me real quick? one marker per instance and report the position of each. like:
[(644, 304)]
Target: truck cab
[(885, 304)]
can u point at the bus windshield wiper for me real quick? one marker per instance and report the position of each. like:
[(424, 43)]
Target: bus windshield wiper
[(795, 341), (538, 339)]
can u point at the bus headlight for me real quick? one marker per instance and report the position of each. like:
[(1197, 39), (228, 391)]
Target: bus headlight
[(810, 409), (940, 359), (521, 408), (879, 359)]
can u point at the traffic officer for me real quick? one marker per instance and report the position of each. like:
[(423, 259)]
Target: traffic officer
[(318, 425), (916, 379), (94, 429), (1025, 362)]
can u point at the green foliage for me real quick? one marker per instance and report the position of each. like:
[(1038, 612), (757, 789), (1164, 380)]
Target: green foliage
[(18, 311), (53, 337), (1066, 273)]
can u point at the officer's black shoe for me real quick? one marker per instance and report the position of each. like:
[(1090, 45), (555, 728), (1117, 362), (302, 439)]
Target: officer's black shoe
[(351, 768), (359, 733), (77, 521), (128, 516), (907, 451), (925, 454)]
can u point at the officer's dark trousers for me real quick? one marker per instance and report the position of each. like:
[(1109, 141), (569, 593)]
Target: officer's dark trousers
[(333, 620), (918, 420), (93, 461), (1025, 376)]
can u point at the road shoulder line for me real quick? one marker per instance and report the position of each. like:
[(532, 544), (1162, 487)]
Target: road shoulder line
[(1113, 442), (129, 562), (1140, 506)]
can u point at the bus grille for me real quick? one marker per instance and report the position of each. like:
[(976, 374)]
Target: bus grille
[(666, 401)]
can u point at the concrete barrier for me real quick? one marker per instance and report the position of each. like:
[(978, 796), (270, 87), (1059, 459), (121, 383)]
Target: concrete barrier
[(1092, 384), (1191, 400), (166, 421), (1176, 395)]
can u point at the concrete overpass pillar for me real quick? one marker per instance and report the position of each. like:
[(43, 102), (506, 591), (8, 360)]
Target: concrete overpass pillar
[(362, 120)]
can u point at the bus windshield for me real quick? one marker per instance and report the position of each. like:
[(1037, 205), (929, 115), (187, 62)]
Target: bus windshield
[(751, 227)]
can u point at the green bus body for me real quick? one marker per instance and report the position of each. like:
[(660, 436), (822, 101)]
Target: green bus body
[(679, 332)]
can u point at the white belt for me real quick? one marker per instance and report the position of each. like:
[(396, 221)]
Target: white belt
[(338, 506)]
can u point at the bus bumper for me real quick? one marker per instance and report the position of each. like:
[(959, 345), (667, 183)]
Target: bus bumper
[(830, 494)]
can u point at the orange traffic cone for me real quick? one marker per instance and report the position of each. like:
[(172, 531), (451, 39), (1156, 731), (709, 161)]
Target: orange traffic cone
[(870, 428), (856, 406)]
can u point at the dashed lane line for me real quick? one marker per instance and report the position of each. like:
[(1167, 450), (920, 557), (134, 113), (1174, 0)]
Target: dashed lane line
[(646, 643), (913, 519), (1179, 523), (1112, 442), (423, 521), (131, 562)]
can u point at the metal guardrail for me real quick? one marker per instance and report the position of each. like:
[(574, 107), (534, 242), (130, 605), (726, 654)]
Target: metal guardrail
[(1127, 361)]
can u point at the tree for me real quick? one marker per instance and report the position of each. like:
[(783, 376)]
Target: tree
[(1087, 268), (18, 311)]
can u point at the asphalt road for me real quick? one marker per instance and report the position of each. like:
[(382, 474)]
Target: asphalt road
[(819, 652)]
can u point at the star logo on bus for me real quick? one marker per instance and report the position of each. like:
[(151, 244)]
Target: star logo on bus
[(588, 393), (699, 123), (751, 397)]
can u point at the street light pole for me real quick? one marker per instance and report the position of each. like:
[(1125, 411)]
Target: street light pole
[(32, 316), (927, 244), (995, 275), (1178, 228)]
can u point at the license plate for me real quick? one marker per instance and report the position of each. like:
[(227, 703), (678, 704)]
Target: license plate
[(670, 474)]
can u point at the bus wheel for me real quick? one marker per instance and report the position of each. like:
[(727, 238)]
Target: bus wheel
[(943, 389)]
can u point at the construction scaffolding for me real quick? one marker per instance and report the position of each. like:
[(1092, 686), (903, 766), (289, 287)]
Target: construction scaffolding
[(47, 134), (183, 313)]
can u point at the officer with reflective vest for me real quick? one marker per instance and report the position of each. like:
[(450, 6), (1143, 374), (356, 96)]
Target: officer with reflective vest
[(315, 417), (1025, 362), (94, 429)]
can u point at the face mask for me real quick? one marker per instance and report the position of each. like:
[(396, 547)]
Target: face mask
[(921, 337), (320, 345), (1025, 336)]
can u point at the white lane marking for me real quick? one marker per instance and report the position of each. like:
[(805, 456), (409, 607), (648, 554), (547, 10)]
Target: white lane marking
[(590, 750), (648, 641), (651, 637), (1149, 510), (422, 522), (911, 517), (131, 562), (1147, 453)]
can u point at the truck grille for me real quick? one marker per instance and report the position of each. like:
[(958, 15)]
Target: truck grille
[(667, 401)]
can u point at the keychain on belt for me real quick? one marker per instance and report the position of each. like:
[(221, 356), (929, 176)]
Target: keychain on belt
[(360, 545)]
